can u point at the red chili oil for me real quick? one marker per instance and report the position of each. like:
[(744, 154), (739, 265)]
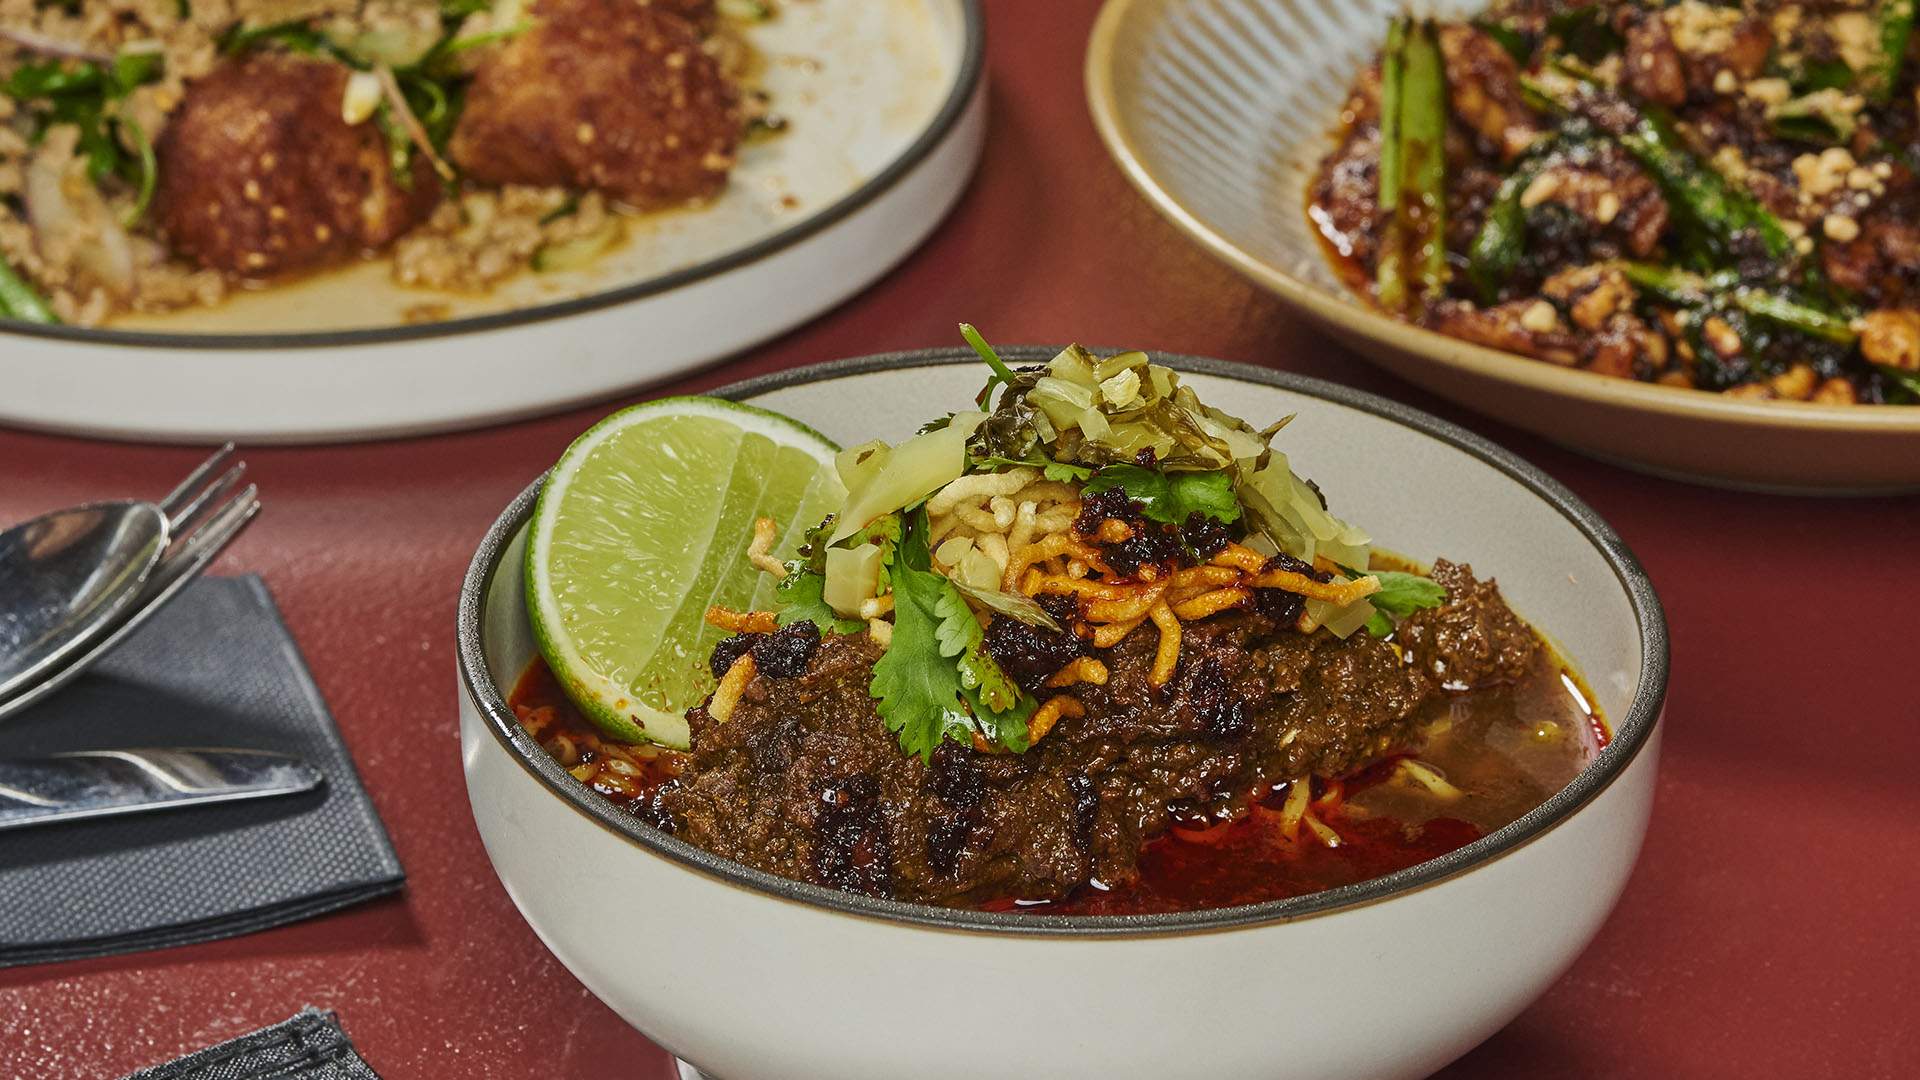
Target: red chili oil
[(1503, 750)]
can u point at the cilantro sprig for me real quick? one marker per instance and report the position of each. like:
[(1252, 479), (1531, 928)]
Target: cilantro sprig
[(1401, 594), (1002, 374), (1172, 497), (936, 677)]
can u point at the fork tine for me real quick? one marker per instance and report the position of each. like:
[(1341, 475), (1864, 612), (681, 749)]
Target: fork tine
[(217, 530), (170, 505), (178, 522), (176, 571)]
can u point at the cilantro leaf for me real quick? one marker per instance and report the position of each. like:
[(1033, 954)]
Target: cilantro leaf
[(936, 677), (915, 683), (1062, 471), (1053, 470), (1065, 473), (1008, 728), (1401, 594), (1171, 497), (800, 599)]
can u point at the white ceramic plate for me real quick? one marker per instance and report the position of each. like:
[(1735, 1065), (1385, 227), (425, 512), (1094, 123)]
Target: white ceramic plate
[(753, 976), (1219, 111), (887, 105)]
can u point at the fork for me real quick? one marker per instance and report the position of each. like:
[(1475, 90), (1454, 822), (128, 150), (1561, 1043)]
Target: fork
[(202, 519)]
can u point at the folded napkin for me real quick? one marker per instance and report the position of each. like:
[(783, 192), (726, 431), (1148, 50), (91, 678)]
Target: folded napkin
[(310, 1046), (216, 667)]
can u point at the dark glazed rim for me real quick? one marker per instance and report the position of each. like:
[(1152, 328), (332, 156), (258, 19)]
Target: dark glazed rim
[(1629, 736), (966, 81)]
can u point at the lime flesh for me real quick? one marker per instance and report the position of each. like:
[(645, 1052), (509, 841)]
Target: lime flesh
[(644, 524)]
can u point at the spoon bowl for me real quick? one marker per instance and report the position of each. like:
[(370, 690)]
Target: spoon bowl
[(66, 577)]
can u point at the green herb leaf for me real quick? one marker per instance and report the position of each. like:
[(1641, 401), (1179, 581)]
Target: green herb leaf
[(937, 677), (916, 684), (1171, 497), (1053, 470), (1008, 728), (1402, 594), (884, 533), (801, 599)]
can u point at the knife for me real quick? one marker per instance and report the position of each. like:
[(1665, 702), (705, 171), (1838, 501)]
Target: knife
[(101, 783)]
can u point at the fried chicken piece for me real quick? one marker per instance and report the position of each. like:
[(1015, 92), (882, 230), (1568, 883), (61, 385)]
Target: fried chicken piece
[(1483, 84), (1614, 197), (700, 13), (260, 175), (612, 95), (1528, 327), (1654, 70)]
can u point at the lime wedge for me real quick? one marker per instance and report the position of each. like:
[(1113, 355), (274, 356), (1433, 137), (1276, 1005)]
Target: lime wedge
[(643, 524)]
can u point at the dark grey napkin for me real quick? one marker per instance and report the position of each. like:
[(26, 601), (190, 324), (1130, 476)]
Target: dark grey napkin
[(215, 668), (310, 1046)]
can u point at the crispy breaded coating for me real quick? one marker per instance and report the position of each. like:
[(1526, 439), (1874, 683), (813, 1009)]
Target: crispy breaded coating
[(260, 175), (700, 13), (613, 95)]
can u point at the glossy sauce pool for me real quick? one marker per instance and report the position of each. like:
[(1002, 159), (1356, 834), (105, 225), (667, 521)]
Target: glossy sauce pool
[(1502, 750)]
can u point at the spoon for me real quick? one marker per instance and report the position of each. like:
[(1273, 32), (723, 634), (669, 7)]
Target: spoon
[(68, 576)]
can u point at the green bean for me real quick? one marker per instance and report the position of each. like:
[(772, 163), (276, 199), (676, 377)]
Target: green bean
[(1908, 381), (1720, 209), (1423, 131), (18, 300), (1390, 286), (1497, 247), (1694, 290), (1896, 27), (1794, 315)]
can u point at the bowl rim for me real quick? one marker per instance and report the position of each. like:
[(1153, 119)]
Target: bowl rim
[(1342, 312), (967, 80), (1630, 732)]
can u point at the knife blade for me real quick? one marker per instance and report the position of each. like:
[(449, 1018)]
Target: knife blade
[(100, 783)]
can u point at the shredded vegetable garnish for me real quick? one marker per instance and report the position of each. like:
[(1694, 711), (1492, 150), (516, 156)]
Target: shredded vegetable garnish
[(1096, 498)]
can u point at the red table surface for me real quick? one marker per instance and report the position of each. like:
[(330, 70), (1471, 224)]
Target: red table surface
[(1769, 929)]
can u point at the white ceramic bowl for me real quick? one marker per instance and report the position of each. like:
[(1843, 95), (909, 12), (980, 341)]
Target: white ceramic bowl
[(749, 975), (1219, 112), (888, 107)]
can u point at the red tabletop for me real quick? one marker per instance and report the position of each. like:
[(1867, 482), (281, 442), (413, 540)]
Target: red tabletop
[(1770, 929)]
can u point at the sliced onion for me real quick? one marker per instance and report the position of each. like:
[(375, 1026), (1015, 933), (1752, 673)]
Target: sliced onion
[(65, 208)]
